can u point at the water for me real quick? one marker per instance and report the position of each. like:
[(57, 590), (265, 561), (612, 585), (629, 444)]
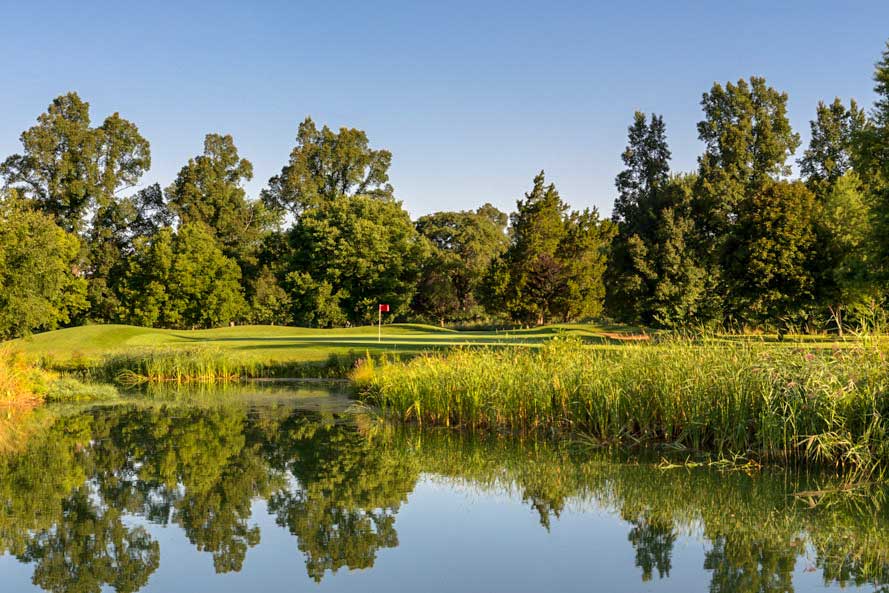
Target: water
[(280, 489)]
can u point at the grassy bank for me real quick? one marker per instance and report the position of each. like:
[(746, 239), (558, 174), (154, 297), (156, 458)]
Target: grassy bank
[(133, 355), (202, 365), (22, 385), (284, 345), (749, 399)]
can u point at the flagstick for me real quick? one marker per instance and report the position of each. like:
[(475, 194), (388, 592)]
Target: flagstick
[(380, 324)]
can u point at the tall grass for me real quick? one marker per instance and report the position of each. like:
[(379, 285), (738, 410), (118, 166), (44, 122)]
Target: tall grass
[(179, 365), (22, 388), (751, 399), (21, 383), (204, 365)]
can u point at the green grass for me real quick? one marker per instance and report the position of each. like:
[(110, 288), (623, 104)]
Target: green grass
[(270, 346), (734, 399), (277, 344)]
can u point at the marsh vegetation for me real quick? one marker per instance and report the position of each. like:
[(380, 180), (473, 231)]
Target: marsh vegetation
[(735, 399)]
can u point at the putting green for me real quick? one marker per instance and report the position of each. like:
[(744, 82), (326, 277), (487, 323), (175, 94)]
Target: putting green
[(283, 344)]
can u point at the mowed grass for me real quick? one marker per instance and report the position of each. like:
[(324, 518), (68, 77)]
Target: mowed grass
[(131, 355), (276, 344)]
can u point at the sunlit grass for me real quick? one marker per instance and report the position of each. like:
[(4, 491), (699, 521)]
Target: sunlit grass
[(738, 398), (21, 383)]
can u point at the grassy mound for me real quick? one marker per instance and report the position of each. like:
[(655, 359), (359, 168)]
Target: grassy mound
[(276, 346)]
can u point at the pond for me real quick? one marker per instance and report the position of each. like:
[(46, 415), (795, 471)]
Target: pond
[(282, 488)]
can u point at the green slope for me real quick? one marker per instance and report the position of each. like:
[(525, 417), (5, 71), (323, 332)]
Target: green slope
[(276, 343)]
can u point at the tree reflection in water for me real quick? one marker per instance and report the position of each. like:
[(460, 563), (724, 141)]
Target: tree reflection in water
[(336, 484)]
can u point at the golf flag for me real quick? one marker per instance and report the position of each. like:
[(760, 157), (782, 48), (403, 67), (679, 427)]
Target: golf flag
[(384, 308)]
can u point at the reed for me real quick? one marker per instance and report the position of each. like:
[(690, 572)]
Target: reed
[(21, 384), (202, 364), (746, 398), (179, 365)]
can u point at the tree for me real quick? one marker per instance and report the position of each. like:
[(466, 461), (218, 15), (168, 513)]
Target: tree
[(208, 190), (843, 259), (464, 244), (326, 165), (39, 287), (437, 293), (766, 256), (653, 274), (313, 303), (68, 168), (115, 228), (536, 230), (842, 256), (584, 256), (872, 166), (182, 280), (553, 265), (748, 140), (270, 304), (647, 168), (830, 153), (358, 251)]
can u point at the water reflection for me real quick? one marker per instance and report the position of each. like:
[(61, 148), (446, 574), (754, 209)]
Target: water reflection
[(78, 498)]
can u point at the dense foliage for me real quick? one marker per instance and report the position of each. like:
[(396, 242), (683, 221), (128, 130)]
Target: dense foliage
[(739, 243)]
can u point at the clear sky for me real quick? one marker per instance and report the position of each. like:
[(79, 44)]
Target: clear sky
[(472, 98)]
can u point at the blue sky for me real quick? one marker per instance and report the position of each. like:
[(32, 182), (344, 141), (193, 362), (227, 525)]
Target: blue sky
[(472, 98)]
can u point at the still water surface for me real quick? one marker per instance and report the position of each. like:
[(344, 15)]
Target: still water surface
[(280, 489)]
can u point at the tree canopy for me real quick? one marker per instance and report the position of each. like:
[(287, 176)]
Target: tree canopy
[(741, 242)]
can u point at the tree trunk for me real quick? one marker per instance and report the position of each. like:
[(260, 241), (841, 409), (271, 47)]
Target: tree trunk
[(837, 313)]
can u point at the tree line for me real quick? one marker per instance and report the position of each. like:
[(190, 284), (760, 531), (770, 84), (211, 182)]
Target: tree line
[(741, 242)]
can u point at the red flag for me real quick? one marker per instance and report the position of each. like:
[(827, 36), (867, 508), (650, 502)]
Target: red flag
[(384, 308)]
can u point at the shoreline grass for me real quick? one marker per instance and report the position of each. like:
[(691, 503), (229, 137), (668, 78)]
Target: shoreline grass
[(824, 406), (200, 365), (22, 385)]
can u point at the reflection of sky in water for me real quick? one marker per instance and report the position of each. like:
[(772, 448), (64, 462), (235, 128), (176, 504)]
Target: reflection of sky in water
[(453, 534)]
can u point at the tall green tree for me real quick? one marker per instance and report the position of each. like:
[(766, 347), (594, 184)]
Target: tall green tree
[(872, 153), (182, 280), (115, 228), (653, 275), (325, 165), (830, 154), (352, 245), (209, 190), (352, 253), (463, 246), (646, 169), (583, 253), (527, 279), (842, 259), (843, 265), (67, 167), (552, 268), (766, 271), (39, 285), (748, 141)]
